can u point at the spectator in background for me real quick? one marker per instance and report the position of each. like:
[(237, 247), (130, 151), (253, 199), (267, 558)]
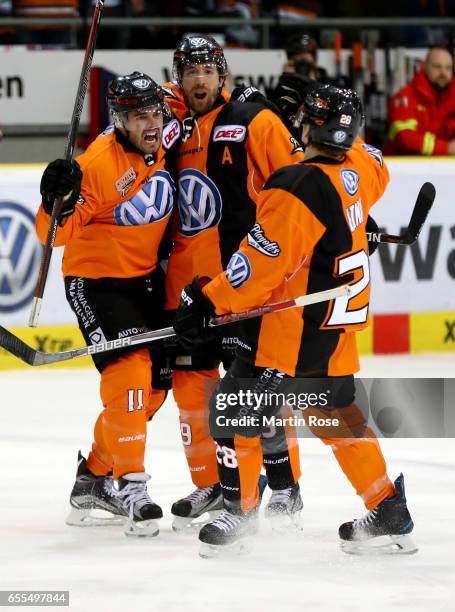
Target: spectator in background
[(245, 36), (300, 50), (422, 114)]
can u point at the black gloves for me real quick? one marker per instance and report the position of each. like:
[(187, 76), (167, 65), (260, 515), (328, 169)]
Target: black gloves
[(61, 178), (372, 226), (289, 94), (193, 314)]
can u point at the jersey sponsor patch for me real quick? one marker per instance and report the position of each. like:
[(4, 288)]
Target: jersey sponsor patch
[(152, 203), (376, 153), (199, 202), (123, 184), (258, 240), (171, 133), (229, 133), (350, 180), (238, 270)]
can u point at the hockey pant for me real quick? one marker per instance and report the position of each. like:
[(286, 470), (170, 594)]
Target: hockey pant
[(278, 451), (114, 308), (239, 452)]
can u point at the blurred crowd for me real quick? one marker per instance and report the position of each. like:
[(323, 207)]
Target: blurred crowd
[(243, 36)]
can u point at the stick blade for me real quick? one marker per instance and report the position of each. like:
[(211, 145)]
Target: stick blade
[(422, 207), (16, 347)]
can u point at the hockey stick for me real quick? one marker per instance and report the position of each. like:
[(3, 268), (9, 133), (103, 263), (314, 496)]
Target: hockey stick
[(422, 207), (23, 351), (75, 119)]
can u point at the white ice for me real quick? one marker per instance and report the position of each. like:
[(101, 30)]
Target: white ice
[(47, 415)]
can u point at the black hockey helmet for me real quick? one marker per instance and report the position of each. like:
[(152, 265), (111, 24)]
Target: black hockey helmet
[(198, 49), (301, 43), (335, 115), (133, 92)]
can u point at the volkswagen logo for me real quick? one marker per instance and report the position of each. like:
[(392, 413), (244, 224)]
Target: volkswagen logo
[(20, 256)]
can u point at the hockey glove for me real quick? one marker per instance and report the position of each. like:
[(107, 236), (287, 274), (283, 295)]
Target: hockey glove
[(62, 179), (372, 226), (193, 314), (242, 93), (289, 94)]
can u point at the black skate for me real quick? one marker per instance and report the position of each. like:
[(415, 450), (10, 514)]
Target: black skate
[(93, 499), (231, 532), (284, 509), (190, 510), (384, 530), (135, 503)]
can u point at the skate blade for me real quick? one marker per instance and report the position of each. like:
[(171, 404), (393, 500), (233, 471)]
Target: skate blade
[(285, 523), (191, 525), (142, 529), (226, 551), (384, 545), (91, 517)]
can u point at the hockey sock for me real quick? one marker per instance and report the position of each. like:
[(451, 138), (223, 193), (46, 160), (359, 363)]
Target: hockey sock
[(192, 391)]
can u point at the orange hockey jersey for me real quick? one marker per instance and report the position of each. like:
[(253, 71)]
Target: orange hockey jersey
[(309, 236), (121, 216), (223, 160)]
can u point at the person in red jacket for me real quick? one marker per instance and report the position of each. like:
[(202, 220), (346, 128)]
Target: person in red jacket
[(422, 114)]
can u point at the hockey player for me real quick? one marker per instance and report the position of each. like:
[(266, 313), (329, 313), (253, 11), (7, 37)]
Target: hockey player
[(117, 200), (314, 214), (227, 152)]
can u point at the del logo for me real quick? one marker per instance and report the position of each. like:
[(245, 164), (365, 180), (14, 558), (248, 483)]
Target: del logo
[(20, 256), (123, 185), (350, 180), (152, 203), (238, 270), (232, 133), (199, 202), (258, 240), (171, 133)]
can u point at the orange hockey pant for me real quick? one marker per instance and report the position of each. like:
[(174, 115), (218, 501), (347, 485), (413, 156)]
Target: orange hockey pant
[(128, 401)]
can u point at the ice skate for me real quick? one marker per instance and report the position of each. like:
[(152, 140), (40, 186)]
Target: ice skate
[(284, 509), (134, 501), (197, 509), (230, 533), (93, 499), (384, 530)]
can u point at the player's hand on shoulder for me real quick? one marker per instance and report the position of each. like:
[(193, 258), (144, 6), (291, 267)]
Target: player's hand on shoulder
[(193, 314), (61, 178), (372, 227), (244, 93)]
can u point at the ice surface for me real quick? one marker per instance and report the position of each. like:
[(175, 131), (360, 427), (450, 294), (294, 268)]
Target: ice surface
[(47, 415)]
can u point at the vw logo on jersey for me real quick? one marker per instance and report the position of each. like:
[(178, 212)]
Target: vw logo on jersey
[(20, 256), (350, 180), (199, 202), (238, 270), (152, 203)]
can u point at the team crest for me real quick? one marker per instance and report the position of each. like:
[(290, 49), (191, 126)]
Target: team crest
[(350, 180), (123, 184)]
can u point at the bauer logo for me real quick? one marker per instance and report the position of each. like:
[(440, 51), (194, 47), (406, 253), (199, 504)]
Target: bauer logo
[(350, 180), (238, 270), (199, 202), (20, 256), (231, 133), (152, 203)]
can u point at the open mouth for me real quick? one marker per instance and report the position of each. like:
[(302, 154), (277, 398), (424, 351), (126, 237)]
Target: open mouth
[(152, 136), (200, 95)]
